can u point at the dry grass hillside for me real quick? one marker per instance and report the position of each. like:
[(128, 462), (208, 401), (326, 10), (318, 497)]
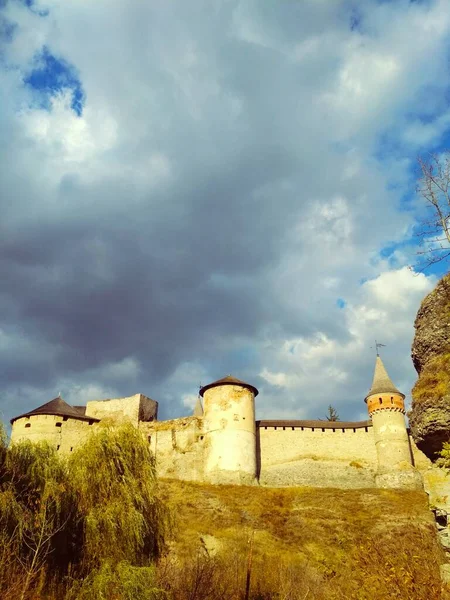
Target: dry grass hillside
[(307, 543)]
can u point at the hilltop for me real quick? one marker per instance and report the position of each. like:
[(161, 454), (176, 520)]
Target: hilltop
[(307, 542)]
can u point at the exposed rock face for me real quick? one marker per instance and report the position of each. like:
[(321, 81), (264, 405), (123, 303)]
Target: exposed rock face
[(429, 417)]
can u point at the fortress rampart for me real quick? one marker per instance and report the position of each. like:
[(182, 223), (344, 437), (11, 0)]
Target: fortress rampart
[(223, 443)]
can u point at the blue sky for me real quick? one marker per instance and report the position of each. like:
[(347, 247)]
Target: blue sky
[(195, 189)]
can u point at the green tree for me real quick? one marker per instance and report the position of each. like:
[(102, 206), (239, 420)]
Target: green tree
[(332, 414)]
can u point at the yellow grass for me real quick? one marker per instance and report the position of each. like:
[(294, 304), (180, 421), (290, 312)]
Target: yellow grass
[(362, 544)]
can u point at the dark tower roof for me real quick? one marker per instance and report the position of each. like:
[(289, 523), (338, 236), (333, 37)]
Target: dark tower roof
[(382, 383), (229, 380), (58, 407)]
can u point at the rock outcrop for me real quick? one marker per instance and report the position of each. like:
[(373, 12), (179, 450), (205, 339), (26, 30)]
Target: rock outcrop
[(429, 417)]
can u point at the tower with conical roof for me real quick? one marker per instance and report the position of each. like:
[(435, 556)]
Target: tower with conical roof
[(386, 405), (230, 431)]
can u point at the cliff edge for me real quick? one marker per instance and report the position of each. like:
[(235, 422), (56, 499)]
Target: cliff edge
[(429, 417)]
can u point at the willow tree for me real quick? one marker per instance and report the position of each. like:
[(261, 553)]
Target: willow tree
[(124, 522), (36, 515)]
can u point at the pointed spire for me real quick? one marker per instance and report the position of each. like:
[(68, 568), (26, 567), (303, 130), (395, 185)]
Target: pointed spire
[(198, 409), (382, 383)]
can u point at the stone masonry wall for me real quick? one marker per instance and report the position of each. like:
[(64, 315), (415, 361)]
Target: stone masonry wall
[(115, 408), (65, 434), (343, 458), (178, 446)]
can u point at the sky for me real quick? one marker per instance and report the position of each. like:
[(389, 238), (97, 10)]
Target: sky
[(195, 189)]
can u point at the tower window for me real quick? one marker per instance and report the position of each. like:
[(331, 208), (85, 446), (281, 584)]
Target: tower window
[(27, 424), (381, 400), (58, 424)]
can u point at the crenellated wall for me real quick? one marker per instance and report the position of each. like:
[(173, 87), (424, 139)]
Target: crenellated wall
[(342, 457)]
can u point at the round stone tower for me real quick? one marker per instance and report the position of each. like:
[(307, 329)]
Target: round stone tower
[(387, 410), (230, 431)]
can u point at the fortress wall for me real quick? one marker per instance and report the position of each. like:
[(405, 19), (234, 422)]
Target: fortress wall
[(178, 446), (118, 409), (342, 458), (65, 434)]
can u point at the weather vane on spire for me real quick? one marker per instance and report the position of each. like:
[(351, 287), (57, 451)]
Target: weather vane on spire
[(378, 346)]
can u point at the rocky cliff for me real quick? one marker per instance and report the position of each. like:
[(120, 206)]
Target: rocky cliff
[(429, 417)]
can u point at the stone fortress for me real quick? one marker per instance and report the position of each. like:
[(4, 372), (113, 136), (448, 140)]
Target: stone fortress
[(223, 443)]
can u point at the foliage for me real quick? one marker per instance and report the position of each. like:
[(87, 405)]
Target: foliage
[(444, 456), (434, 380), (332, 414), (115, 481), (121, 582), (87, 525)]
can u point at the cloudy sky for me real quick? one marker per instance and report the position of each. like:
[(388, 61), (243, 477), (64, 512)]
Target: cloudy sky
[(192, 189)]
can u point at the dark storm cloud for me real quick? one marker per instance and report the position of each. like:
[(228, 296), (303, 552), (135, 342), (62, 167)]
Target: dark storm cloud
[(198, 211)]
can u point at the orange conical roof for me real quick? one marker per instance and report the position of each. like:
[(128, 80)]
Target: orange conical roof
[(382, 383)]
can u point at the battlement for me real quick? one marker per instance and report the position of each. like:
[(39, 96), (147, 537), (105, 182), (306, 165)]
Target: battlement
[(223, 443)]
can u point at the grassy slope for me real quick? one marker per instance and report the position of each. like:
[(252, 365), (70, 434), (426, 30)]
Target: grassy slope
[(330, 543)]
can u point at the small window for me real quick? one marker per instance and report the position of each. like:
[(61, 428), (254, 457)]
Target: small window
[(65, 418), (27, 424), (71, 448), (292, 428), (381, 400), (323, 429), (201, 437), (392, 400), (58, 424), (149, 438), (58, 447)]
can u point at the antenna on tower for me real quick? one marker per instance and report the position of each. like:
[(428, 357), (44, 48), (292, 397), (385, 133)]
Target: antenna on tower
[(378, 346)]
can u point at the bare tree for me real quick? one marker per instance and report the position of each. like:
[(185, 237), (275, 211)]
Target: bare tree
[(434, 187)]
